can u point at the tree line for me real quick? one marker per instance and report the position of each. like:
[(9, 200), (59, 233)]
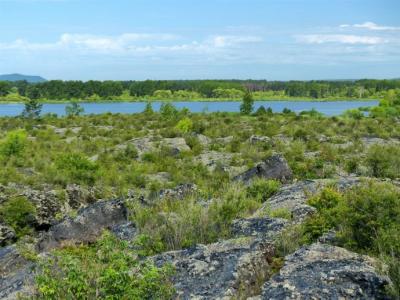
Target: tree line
[(195, 89)]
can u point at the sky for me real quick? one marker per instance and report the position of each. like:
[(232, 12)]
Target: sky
[(200, 39)]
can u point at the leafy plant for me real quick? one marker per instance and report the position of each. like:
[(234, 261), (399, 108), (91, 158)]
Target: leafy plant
[(106, 270), (19, 213)]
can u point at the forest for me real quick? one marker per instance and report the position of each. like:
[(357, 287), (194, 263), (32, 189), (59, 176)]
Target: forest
[(57, 90)]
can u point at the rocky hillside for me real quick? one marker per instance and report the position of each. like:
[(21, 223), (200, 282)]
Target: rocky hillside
[(183, 206)]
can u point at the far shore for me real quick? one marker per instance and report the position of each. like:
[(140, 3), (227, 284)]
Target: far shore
[(64, 101)]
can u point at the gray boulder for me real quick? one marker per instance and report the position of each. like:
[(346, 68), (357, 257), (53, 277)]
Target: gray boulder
[(218, 271), (177, 145), (226, 269), (87, 226), (322, 271), (274, 167), (16, 274), (263, 227), (214, 159), (7, 234)]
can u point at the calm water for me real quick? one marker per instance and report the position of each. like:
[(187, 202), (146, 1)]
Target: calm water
[(331, 108)]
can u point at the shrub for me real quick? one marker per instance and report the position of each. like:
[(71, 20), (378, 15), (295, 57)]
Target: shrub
[(168, 111), (77, 167), (19, 214), (262, 189), (14, 143), (185, 125), (366, 218), (383, 161), (106, 270)]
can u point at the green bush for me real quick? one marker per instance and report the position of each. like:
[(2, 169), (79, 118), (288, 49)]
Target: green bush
[(77, 168), (185, 125), (14, 143), (366, 218), (384, 161), (19, 214), (106, 270), (262, 189)]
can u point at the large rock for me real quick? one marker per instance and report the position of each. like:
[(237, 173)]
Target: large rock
[(263, 227), (16, 274), (322, 271), (150, 144), (87, 226), (7, 234), (177, 145), (47, 206), (226, 269), (274, 167), (218, 271), (78, 196), (213, 159), (142, 145)]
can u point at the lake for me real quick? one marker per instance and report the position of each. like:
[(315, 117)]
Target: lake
[(330, 108)]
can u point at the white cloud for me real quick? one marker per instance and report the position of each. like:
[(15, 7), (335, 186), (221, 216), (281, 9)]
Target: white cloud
[(131, 44), (231, 40), (370, 26), (340, 38)]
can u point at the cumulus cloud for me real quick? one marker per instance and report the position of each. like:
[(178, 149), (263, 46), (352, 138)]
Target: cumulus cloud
[(340, 38), (370, 26)]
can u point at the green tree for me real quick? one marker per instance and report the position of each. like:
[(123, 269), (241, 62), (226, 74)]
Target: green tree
[(246, 107), (32, 109), (74, 109), (148, 110)]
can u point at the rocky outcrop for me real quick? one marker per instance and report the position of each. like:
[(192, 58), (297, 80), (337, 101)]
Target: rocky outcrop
[(16, 273), (47, 206), (322, 271), (151, 144), (214, 159), (176, 145), (203, 140), (78, 196), (217, 271), (263, 227), (227, 268), (274, 167), (87, 226), (7, 234)]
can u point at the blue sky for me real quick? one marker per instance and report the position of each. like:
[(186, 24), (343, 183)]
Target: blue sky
[(196, 39)]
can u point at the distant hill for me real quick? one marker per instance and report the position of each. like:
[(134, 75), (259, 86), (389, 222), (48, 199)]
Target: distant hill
[(20, 77)]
